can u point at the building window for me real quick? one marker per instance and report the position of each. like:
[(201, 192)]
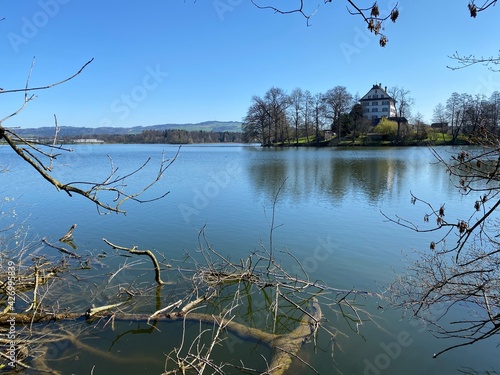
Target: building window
[(374, 109), (374, 103), (369, 96), (384, 109), (375, 96)]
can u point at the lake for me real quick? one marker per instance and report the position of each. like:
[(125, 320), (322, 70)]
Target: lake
[(330, 197)]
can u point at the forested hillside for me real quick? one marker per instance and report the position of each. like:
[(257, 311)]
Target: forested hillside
[(76, 131)]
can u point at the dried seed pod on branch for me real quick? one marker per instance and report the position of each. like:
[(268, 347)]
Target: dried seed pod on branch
[(454, 288)]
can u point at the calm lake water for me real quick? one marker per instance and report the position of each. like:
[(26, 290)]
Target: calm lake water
[(332, 196)]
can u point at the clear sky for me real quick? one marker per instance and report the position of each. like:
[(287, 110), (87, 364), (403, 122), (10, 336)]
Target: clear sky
[(186, 61)]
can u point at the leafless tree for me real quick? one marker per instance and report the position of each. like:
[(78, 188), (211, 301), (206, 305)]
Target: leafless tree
[(454, 110), (338, 102), (297, 106), (494, 110), (439, 117), (453, 286), (307, 113), (420, 125), (278, 101), (404, 103), (318, 114), (469, 115), (257, 122)]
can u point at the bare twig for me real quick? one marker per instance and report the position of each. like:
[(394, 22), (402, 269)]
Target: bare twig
[(31, 155), (69, 234), (464, 274), (45, 87), (465, 61), (141, 252), (61, 249), (370, 15), (163, 310)]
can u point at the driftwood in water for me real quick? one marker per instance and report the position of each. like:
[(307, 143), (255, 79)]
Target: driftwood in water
[(285, 347), (149, 253), (221, 287), (62, 249), (69, 234)]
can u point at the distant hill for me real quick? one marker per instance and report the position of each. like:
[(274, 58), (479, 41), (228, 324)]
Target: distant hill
[(76, 131)]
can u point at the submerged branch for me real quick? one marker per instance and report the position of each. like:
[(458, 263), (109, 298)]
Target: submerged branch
[(61, 249), (134, 250)]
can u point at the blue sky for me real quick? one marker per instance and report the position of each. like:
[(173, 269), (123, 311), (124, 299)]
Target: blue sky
[(181, 61)]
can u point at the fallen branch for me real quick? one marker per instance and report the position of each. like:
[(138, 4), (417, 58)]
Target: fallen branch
[(287, 346), (61, 249), (161, 311), (96, 310), (142, 252), (34, 303), (191, 305), (69, 234)]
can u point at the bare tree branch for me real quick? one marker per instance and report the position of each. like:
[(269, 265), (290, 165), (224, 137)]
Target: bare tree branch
[(45, 87), (32, 153), (466, 61), (299, 10), (437, 286), (371, 15), (474, 9)]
